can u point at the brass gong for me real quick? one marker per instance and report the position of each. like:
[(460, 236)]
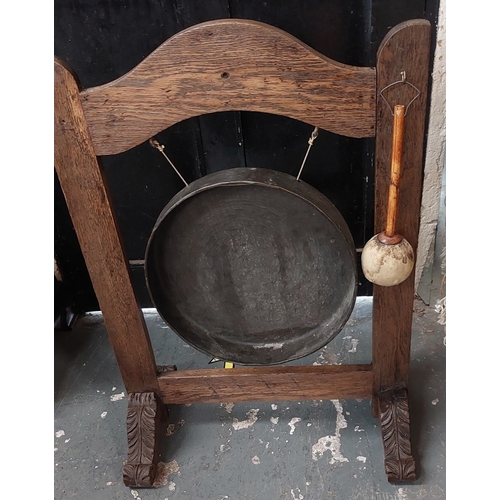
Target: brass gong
[(252, 266)]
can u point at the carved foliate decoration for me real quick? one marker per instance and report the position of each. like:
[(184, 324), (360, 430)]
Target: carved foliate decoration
[(144, 415), (395, 424)]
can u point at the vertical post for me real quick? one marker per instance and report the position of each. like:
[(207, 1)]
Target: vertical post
[(88, 202), (405, 49)]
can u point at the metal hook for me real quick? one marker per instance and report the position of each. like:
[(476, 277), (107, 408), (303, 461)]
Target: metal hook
[(160, 147), (403, 80), (310, 142)]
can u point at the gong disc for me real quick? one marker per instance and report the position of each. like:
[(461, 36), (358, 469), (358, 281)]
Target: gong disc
[(252, 266)]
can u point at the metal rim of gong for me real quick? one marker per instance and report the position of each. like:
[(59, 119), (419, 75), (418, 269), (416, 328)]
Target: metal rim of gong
[(180, 272)]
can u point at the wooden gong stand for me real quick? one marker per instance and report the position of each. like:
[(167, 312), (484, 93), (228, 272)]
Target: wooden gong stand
[(244, 65)]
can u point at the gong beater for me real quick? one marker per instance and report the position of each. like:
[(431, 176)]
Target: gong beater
[(252, 266), (388, 258)]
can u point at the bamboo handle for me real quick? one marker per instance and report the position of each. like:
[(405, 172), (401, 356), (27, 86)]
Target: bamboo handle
[(397, 153)]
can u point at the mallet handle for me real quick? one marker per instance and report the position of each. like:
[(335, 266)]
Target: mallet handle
[(397, 153)]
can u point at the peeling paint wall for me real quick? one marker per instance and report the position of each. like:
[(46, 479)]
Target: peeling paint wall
[(435, 153)]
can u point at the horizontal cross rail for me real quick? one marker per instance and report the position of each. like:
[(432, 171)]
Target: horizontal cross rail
[(277, 383)]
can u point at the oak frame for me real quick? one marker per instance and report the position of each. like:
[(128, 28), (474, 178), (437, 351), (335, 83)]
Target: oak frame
[(269, 71)]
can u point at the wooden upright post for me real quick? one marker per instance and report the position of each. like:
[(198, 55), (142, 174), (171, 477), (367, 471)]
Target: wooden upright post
[(84, 188), (404, 51)]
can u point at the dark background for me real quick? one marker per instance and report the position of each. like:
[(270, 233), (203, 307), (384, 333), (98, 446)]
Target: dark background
[(103, 39)]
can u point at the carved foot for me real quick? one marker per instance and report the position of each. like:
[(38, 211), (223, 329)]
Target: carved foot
[(395, 424), (145, 415)]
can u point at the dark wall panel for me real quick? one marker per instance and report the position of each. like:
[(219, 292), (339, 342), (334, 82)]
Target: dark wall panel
[(339, 29), (76, 291)]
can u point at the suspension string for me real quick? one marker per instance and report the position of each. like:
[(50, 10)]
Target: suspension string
[(160, 147), (310, 142)]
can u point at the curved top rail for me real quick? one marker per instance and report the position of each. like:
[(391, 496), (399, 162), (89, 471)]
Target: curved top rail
[(224, 65)]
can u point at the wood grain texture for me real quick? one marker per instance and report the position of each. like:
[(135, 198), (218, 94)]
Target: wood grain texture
[(395, 425), (145, 416), (87, 198), (397, 153), (405, 48), (283, 383), (225, 65)]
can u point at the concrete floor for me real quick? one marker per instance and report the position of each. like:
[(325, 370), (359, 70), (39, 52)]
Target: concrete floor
[(283, 451)]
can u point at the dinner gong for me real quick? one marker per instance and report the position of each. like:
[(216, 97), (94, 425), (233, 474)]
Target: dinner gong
[(253, 266)]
